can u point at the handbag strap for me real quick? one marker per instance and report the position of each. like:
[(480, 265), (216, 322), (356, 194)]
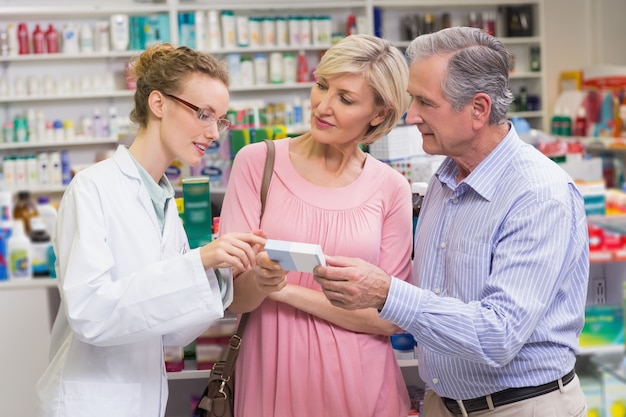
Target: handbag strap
[(235, 340), (267, 175)]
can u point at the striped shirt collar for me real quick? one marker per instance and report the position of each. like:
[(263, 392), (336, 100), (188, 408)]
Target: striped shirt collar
[(481, 178)]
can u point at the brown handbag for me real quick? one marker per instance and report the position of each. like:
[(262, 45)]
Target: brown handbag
[(218, 398)]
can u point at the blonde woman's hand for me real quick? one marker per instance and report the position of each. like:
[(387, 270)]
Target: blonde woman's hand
[(269, 277), (237, 250)]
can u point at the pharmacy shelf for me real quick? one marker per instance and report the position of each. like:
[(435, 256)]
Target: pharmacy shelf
[(407, 363), (79, 141), (523, 75), (268, 49), (532, 40), (273, 87), (614, 363), (601, 350), (606, 256), (28, 284), (279, 5), (62, 97), (68, 56), (77, 10), (189, 373)]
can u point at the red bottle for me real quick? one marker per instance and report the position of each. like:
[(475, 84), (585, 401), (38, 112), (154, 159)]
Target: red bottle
[(351, 25), (38, 40), (52, 40), (580, 123), (22, 39), (303, 68)]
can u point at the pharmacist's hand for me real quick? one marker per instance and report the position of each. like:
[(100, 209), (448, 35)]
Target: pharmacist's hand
[(352, 283), (268, 275), (236, 250)]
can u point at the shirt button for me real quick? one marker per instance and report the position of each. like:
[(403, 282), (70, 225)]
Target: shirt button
[(455, 200), (437, 290), (435, 380), (442, 245)]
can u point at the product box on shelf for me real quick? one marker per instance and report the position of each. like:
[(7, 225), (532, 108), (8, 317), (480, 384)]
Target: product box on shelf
[(594, 195), (592, 388), (604, 326), (417, 168), (197, 210), (209, 344), (401, 143), (613, 395)]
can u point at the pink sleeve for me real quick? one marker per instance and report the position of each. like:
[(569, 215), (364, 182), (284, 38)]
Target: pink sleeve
[(242, 201), (397, 237)]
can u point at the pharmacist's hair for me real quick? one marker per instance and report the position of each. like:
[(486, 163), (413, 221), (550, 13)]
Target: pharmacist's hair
[(164, 68), (479, 63), (384, 68)]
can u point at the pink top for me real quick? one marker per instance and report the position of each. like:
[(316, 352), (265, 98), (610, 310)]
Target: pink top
[(293, 363)]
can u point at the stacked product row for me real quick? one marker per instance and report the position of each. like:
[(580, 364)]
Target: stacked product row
[(25, 230)]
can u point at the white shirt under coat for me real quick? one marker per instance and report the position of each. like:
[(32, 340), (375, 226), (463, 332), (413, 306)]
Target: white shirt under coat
[(126, 291)]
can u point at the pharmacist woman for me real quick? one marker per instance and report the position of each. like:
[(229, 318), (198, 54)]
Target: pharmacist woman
[(129, 283)]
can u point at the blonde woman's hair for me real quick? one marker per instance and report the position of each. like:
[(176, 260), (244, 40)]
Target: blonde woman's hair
[(165, 68), (382, 65)]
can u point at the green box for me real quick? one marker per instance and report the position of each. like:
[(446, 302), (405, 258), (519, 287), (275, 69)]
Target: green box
[(604, 326), (197, 210)]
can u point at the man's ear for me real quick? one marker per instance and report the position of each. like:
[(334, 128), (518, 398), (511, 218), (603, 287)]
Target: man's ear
[(481, 107)]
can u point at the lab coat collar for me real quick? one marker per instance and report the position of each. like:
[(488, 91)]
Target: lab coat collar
[(124, 161)]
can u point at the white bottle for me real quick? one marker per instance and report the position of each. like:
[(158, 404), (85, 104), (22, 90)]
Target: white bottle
[(200, 30), (86, 38), (254, 30), (70, 39), (276, 68), (243, 31), (55, 169), (99, 128), (40, 242), (19, 252), (114, 124), (268, 29), (119, 32), (260, 69), (229, 31), (282, 33), (247, 72), (214, 30), (40, 125), (43, 162), (233, 62), (102, 38), (21, 179), (289, 67), (8, 172), (305, 30), (31, 121), (13, 43), (47, 212), (32, 171)]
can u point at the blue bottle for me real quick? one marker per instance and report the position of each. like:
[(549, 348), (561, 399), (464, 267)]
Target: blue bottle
[(5, 233)]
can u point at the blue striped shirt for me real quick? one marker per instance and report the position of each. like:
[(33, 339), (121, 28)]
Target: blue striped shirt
[(501, 274)]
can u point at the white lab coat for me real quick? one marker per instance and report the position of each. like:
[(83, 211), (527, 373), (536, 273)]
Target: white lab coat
[(126, 291)]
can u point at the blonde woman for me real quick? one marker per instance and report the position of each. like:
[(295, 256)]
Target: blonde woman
[(301, 355)]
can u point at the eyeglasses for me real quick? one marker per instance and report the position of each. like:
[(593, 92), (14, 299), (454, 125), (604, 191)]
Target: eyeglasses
[(204, 115)]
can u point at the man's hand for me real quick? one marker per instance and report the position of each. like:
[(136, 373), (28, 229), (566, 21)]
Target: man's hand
[(352, 283)]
